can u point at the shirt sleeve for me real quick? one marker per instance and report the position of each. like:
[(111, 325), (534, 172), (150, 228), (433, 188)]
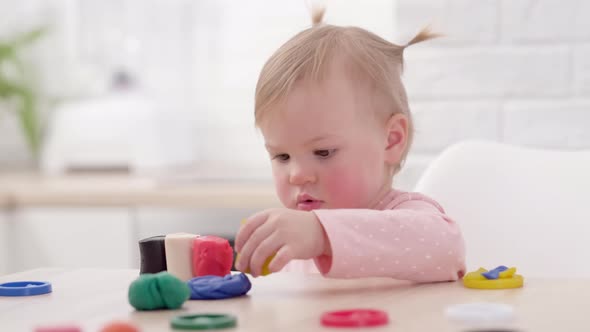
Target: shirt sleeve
[(414, 240)]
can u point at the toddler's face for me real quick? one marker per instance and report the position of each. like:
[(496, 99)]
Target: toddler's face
[(327, 149)]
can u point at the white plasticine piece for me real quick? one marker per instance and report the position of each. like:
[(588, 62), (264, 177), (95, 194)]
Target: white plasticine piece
[(480, 313), (179, 251)]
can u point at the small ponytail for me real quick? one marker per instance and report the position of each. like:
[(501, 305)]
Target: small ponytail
[(317, 15), (424, 34)]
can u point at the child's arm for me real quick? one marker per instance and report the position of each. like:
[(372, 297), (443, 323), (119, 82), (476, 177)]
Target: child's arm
[(415, 240)]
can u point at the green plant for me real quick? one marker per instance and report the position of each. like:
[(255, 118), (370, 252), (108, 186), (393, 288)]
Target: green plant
[(17, 89)]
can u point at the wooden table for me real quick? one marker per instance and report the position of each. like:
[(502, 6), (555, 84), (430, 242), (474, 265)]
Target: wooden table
[(290, 302)]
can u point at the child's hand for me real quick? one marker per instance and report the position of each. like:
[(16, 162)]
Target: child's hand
[(291, 234)]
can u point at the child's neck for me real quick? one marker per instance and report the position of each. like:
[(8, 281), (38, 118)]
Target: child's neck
[(382, 194)]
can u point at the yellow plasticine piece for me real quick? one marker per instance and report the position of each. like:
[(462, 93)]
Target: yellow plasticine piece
[(508, 273), (507, 279), (265, 269), (476, 275), (516, 281)]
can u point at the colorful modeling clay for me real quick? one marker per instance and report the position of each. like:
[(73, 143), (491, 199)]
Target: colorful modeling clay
[(498, 278)]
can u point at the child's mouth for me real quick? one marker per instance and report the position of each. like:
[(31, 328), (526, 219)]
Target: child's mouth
[(309, 204)]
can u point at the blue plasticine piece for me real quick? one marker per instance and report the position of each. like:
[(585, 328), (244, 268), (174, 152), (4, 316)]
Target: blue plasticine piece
[(495, 273), (216, 287)]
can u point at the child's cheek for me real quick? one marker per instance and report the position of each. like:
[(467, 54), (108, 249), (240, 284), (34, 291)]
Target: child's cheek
[(345, 188), (282, 188)]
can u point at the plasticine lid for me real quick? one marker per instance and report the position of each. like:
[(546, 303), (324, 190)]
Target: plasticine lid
[(25, 288)]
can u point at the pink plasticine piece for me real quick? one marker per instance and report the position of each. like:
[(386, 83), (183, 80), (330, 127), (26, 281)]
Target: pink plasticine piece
[(58, 328)]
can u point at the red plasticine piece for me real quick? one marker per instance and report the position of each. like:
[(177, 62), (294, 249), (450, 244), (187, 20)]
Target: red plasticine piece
[(354, 318), (119, 326), (212, 255)]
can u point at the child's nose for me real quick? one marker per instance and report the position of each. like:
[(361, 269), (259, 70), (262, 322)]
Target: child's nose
[(300, 175)]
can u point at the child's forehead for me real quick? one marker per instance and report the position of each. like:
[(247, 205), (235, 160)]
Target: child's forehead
[(303, 116), (339, 84), (323, 100)]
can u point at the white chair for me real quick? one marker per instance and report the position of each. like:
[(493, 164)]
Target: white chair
[(517, 206)]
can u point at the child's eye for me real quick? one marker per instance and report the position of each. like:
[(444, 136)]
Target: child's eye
[(281, 157), (324, 153)]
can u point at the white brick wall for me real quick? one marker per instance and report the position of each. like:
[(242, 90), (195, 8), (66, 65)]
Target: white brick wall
[(545, 21), (549, 123), (515, 71), (462, 21), (434, 130), (581, 70), (487, 72)]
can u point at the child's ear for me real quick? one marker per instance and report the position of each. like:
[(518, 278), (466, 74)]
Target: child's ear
[(397, 138)]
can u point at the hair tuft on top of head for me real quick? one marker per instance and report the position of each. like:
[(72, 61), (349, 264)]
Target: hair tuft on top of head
[(317, 14)]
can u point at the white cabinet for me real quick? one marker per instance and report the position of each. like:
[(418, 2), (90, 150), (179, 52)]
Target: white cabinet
[(77, 237), (74, 237), (4, 263), (75, 221)]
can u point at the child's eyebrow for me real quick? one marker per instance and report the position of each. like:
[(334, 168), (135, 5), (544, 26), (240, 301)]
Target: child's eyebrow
[(307, 143), (319, 138)]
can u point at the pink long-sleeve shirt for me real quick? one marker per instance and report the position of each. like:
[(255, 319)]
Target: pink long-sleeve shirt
[(406, 236)]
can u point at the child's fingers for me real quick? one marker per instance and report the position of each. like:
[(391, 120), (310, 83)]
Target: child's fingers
[(283, 256), (258, 235), (266, 249), (248, 228)]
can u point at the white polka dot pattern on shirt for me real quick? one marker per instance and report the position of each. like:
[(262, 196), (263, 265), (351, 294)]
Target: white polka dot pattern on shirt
[(412, 242)]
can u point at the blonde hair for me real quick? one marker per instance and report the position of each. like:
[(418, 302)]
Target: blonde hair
[(307, 55)]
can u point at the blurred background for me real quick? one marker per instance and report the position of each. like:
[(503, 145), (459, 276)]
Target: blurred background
[(118, 118)]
